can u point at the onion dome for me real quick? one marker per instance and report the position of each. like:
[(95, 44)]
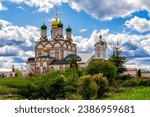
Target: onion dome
[(68, 29), (100, 36), (60, 24), (45, 49), (55, 23), (43, 27)]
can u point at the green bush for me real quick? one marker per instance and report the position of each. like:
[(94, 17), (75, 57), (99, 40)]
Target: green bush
[(91, 87), (129, 83), (106, 67), (124, 77), (71, 75), (87, 88), (144, 83), (102, 84)]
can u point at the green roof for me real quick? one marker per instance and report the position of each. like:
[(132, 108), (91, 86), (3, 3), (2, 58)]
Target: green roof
[(60, 24), (68, 29), (43, 27)]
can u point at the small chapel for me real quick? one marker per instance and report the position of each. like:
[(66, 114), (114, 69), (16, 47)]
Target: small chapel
[(56, 53)]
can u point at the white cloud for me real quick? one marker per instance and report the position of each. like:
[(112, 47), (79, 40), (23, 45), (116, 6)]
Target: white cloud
[(4, 23), (134, 47), (2, 8), (51, 20), (20, 7), (99, 9), (42, 5), (138, 24), (82, 30), (109, 9), (17, 43)]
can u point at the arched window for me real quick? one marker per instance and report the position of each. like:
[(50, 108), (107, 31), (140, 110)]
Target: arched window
[(98, 53), (44, 69), (51, 68), (38, 70), (39, 53), (57, 54), (60, 67)]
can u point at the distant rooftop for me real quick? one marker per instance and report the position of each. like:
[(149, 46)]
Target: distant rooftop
[(5, 70)]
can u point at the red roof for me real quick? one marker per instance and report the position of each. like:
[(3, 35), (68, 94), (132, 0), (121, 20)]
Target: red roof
[(131, 69)]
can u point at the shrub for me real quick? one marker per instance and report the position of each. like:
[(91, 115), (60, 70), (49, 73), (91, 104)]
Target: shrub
[(144, 83), (92, 86), (87, 88), (106, 67), (125, 77), (102, 84), (129, 83), (71, 75)]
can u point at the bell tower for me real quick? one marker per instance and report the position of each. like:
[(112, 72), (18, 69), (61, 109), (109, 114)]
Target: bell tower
[(43, 32), (100, 49)]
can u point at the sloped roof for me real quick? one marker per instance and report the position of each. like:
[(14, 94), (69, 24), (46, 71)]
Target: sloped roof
[(31, 59), (67, 59), (85, 57), (5, 70)]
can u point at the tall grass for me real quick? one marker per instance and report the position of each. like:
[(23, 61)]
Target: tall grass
[(136, 93)]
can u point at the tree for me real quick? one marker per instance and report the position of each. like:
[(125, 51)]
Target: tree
[(90, 87), (106, 67), (139, 73), (118, 59), (73, 63)]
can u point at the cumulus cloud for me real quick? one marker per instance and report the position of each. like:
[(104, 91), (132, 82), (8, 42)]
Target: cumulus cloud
[(17, 43), (2, 7), (99, 9), (109, 9), (42, 5), (83, 30), (138, 24), (134, 47)]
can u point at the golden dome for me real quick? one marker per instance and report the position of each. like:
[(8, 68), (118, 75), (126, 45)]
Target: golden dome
[(55, 23), (100, 36), (45, 49)]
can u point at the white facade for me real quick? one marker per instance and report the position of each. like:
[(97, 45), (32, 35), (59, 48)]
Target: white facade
[(7, 73), (57, 53)]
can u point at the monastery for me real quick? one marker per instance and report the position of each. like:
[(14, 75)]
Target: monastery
[(56, 53)]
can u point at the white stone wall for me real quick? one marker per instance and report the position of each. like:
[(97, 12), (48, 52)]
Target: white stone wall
[(132, 72), (7, 74), (145, 74)]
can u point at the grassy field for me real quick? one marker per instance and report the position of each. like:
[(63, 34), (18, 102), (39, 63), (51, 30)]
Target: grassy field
[(136, 93), (9, 88)]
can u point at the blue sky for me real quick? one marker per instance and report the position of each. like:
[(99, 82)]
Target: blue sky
[(124, 20)]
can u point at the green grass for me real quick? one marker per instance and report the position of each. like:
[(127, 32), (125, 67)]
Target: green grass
[(9, 87), (136, 93)]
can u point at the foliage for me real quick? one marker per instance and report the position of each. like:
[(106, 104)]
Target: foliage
[(129, 83), (73, 64), (144, 83), (18, 74), (53, 85), (118, 59), (92, 86), (125, 77), (136, 93), (106, 67), (102, 84), (71, 75), (139, 73), (87, 88)]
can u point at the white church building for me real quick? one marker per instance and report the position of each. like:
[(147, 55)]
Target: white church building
[(56, 53)]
